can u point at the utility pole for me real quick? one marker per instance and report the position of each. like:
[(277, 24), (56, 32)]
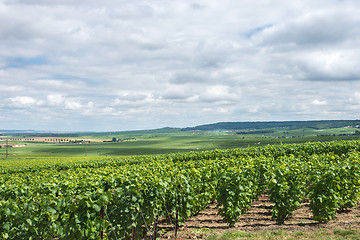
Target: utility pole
[(86, 149)]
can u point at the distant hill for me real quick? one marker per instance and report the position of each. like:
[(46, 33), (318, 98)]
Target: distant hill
[(16, 131), (321, 124)]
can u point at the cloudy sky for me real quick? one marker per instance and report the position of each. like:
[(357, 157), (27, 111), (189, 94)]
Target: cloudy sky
[(89, 65)]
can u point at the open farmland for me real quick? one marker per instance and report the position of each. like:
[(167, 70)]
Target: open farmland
[(170, 140)]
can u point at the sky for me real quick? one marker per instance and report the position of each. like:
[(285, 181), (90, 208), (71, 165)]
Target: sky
[(90, 65)]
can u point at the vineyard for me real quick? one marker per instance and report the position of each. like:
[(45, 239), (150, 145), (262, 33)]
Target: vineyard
[(125, 198)]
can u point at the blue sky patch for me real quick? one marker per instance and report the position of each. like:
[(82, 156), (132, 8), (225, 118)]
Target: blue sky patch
[(64, 77), (19, 62), (258, 29)]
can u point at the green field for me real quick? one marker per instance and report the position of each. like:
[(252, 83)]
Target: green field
[(174, 140)]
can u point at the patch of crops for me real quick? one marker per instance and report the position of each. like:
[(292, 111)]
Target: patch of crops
[(123, 198)]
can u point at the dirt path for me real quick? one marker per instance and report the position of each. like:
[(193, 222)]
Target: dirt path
[(256, 219)]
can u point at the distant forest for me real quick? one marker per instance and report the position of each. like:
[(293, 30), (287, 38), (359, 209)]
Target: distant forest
[(230, 126), (321, 124)]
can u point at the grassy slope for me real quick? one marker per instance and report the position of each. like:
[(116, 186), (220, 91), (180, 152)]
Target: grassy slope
[(155, 142)]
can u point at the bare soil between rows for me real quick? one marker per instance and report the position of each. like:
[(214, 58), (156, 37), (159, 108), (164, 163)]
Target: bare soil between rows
[(256, 219)]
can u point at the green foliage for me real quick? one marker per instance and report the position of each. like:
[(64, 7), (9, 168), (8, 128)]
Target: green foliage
[(234, 193), (110, 197), (286, 188), (334, 184)]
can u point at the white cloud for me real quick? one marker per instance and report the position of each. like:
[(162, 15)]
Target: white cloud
[(316, 28), (177, 63), (319, 103), (108, 110), (355, 97), (55, 99), (8, 88), (60, 101), (73, 105), (218, 93), (330, 65), (21, 101)]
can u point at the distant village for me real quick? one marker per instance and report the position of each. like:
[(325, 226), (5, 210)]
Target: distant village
[(56, 140)]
